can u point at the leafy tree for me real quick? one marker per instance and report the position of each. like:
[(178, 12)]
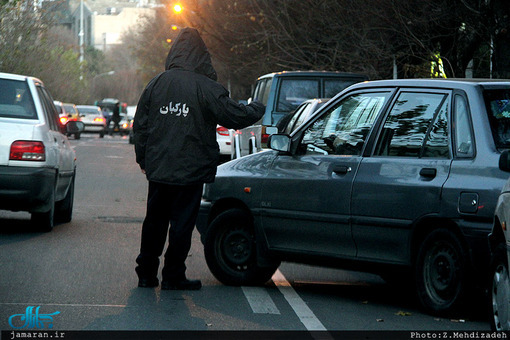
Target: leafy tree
[(29, 46)]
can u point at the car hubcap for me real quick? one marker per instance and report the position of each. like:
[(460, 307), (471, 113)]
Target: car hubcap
[(500, 298), (237, 246), (441, 274)]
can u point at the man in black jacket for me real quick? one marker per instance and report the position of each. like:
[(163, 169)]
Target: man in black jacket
[(175, 144)]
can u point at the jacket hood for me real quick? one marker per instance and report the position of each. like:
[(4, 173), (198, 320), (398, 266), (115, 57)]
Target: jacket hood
[(190, 53)]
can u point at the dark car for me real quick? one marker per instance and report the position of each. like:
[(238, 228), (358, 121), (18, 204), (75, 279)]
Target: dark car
[(395, 177)]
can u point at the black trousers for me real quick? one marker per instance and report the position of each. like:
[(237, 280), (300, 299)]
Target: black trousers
[(171, 210)]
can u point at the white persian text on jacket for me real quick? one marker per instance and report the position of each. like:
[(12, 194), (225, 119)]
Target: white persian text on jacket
[(179, 109)]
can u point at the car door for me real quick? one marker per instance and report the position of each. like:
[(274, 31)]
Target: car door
[(306, 196), (402, 180), (62, 153)]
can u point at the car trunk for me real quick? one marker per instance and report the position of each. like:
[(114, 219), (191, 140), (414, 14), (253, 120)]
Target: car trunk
[(9, 133)]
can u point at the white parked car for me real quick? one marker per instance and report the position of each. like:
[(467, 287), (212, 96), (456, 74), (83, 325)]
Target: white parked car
[(223, 138), (499, 240), (37, 162)]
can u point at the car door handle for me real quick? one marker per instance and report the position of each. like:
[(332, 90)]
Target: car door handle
[(428, 172), (342, 170)]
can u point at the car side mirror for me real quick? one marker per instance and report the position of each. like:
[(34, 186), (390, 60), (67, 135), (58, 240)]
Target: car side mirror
[(504, 161), (74, 126), (279, 142)]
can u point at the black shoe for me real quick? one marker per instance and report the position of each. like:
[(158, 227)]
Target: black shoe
[(181, 285), (148, 283)]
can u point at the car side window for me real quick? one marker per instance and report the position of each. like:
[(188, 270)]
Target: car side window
[(462, 129), (343, 129), (262, 90), (50, 113), (417, 126)]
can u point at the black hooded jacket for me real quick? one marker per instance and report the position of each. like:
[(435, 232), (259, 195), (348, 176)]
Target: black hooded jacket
[(176, 117)]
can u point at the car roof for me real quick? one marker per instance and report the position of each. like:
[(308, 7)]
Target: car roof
[(432, 82), (313, 74), (13, 76)]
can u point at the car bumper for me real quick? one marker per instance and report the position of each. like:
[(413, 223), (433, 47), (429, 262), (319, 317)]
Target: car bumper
[(203, 218), (26, 189), (94, 128)]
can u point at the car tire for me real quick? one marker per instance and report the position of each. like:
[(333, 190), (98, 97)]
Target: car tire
[(101, 134), (44, 221), (230, 250), (499, 290), (77, 136), (64, 210), (441, 272)]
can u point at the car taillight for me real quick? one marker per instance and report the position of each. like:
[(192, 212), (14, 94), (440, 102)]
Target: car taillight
[(27, 151), (99, 120), (223, 131), (64, 120), (263, 138)]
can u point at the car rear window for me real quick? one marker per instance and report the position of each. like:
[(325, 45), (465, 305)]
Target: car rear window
[(295, 91), (70, 109), (334, 86), (16, 100), (89, 111), (498, 109)]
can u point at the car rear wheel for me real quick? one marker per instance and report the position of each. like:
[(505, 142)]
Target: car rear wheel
[(499, 293), (64, 211), (230, 250), (44, 221), (441, 272)]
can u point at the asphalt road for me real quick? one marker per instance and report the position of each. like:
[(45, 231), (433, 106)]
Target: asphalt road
[(85, 271)]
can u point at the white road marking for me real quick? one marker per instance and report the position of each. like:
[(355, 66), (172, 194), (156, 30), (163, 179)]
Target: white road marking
[(259, 300), (61, 304), (305, 314)]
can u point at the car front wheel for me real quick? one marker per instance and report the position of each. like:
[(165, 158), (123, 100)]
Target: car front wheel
[(230, 250), (499, 291), (441, 272)]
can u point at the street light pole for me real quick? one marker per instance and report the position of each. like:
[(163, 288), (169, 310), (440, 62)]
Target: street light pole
[(81, 34), (109, 73)]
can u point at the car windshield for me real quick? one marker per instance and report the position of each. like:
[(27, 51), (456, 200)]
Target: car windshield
[(16, 100), (498, 108)]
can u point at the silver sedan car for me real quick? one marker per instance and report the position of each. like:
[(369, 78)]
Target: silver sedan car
[(93, 118)]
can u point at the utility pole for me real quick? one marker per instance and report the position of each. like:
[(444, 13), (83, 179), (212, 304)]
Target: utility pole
[(81, 34)]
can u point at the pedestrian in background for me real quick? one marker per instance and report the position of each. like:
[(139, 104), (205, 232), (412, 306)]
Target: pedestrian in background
[(175, 144)]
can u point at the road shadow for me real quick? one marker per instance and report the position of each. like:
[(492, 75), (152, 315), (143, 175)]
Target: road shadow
[(400, 296)]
